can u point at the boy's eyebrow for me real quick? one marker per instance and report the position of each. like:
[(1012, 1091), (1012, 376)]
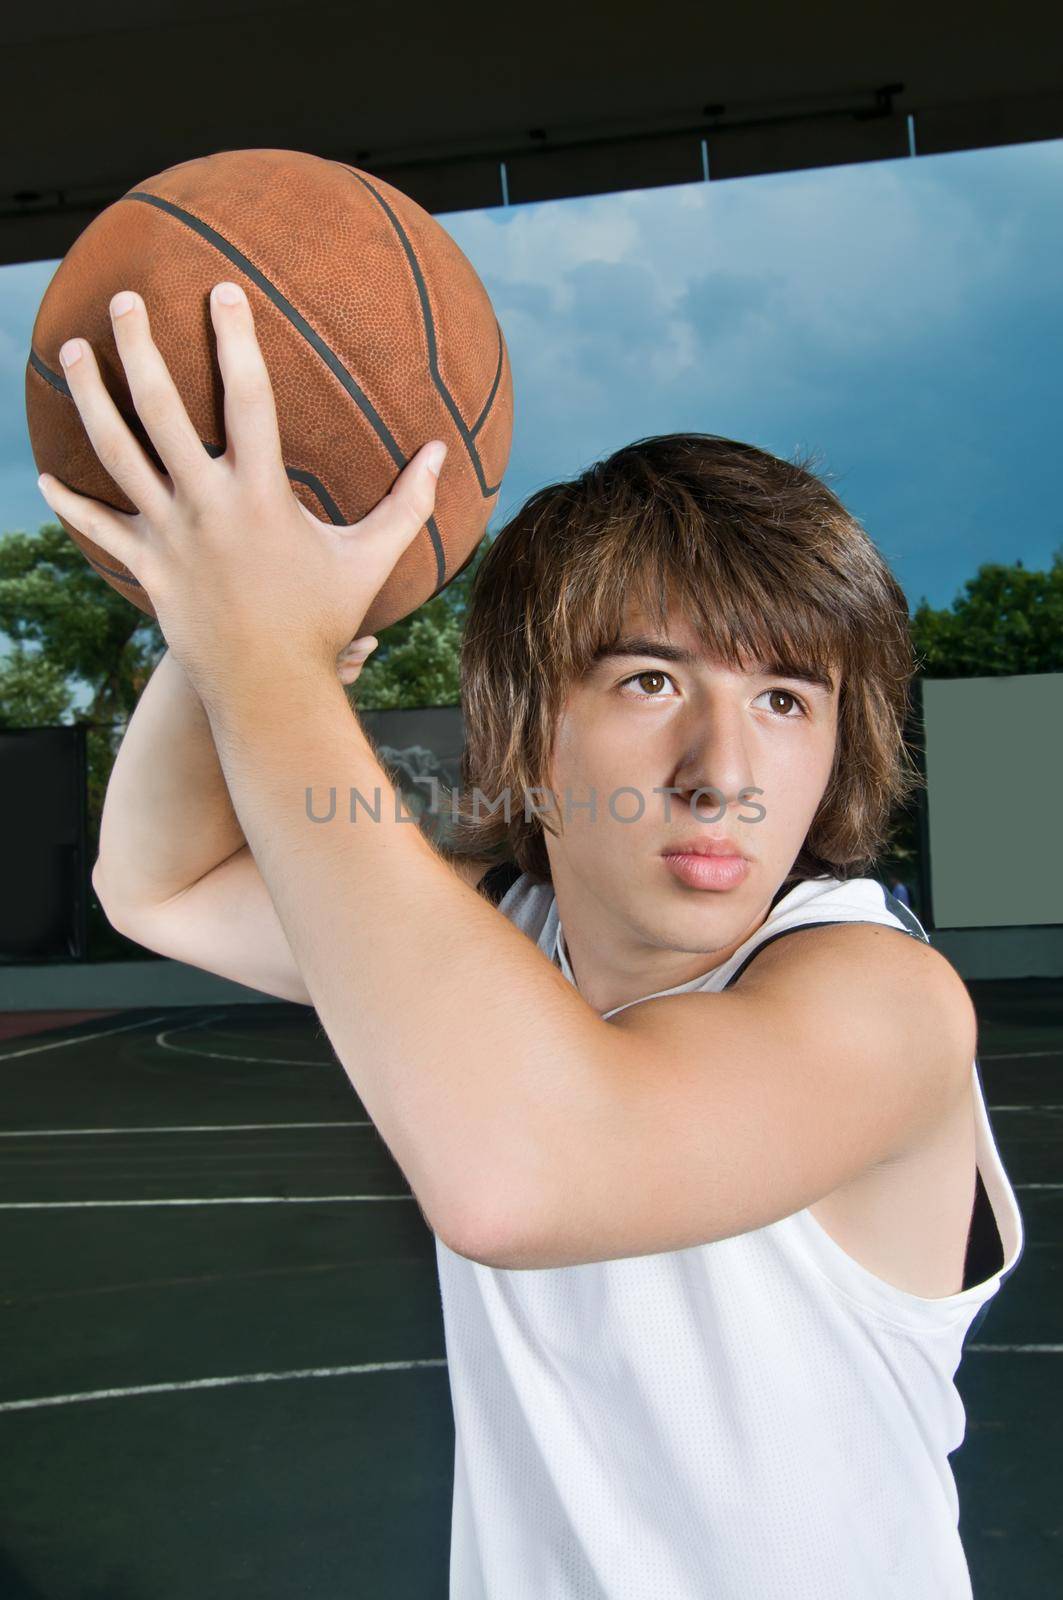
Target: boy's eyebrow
[(671, 652)]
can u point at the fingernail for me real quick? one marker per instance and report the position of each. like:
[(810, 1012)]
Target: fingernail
[(42, 486), (434, 457), (228, 294), (70, 352), (122, 303)]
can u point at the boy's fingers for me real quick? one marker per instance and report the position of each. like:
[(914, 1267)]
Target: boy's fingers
[(409, 503), (119, 452), (154, 393), (252, 434), (353, 659)]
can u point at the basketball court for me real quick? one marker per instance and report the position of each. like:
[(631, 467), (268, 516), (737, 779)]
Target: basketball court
[(223, 1347)]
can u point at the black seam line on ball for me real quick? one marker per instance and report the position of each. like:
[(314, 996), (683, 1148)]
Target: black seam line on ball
[(430, 334), (489, 402), (300, 474), (119, 577), (299, 322), (56, 380)]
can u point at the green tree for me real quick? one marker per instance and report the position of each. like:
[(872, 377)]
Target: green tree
[(34, 691), (1005, 621), (416, 662), (52, 597), (419, 670)]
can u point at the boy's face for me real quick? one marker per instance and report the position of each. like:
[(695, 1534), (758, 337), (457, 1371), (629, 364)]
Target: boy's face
[(758, 744)]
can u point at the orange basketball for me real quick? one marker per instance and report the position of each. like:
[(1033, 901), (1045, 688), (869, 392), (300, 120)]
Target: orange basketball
[(376, 330)]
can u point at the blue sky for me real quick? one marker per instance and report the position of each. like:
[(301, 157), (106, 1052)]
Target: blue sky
[(901, 318)]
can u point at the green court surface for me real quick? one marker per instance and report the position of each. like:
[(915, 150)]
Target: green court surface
[(223, 1371)]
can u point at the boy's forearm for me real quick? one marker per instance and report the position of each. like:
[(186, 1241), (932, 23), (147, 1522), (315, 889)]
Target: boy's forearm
[(469, 1050), (167, 817)]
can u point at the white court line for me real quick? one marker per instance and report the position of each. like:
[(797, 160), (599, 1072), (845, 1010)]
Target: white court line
[(162, 1040), (212, 1127), (1016, 1349), (226, 1200), (300, 1373), (1022, 1055), (262, 1200), (256, 1127), (211, 1055), (81, 1038), (221, 1383)]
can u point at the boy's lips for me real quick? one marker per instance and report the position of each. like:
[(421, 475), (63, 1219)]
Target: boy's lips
[(704, 846)]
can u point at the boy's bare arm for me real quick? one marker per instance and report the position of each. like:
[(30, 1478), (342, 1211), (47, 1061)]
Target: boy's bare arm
[(167, 818), (175, 872), (226, 923)]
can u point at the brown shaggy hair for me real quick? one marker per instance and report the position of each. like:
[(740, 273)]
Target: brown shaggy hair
[(767, 564)]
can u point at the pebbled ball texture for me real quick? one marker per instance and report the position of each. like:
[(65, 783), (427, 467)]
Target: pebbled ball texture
[(377, 333)]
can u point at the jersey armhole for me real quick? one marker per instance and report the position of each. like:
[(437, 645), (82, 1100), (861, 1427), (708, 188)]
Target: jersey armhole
[(497, 880), (984, 1255)]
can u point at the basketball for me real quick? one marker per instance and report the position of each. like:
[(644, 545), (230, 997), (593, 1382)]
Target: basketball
[(377, 333)]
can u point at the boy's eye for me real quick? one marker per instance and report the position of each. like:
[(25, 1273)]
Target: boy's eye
[(654, 674), (787, 694), (640, 677)]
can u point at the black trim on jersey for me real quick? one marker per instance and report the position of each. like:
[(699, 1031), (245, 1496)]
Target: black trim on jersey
[(830, 922), (737, 973), (497, 879), (984, 1241), (902, 912), (985, 1248), (783, 889), (984, 1257)]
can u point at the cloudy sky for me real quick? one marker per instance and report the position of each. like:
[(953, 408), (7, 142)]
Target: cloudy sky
[(902, 318)]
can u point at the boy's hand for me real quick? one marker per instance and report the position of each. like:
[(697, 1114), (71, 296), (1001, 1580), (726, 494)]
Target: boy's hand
[(238, 570)]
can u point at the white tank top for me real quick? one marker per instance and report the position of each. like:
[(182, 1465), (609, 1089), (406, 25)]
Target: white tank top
[(757, 1418)]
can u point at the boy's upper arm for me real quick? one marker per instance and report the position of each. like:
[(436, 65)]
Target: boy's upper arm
[(708, 1114)]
